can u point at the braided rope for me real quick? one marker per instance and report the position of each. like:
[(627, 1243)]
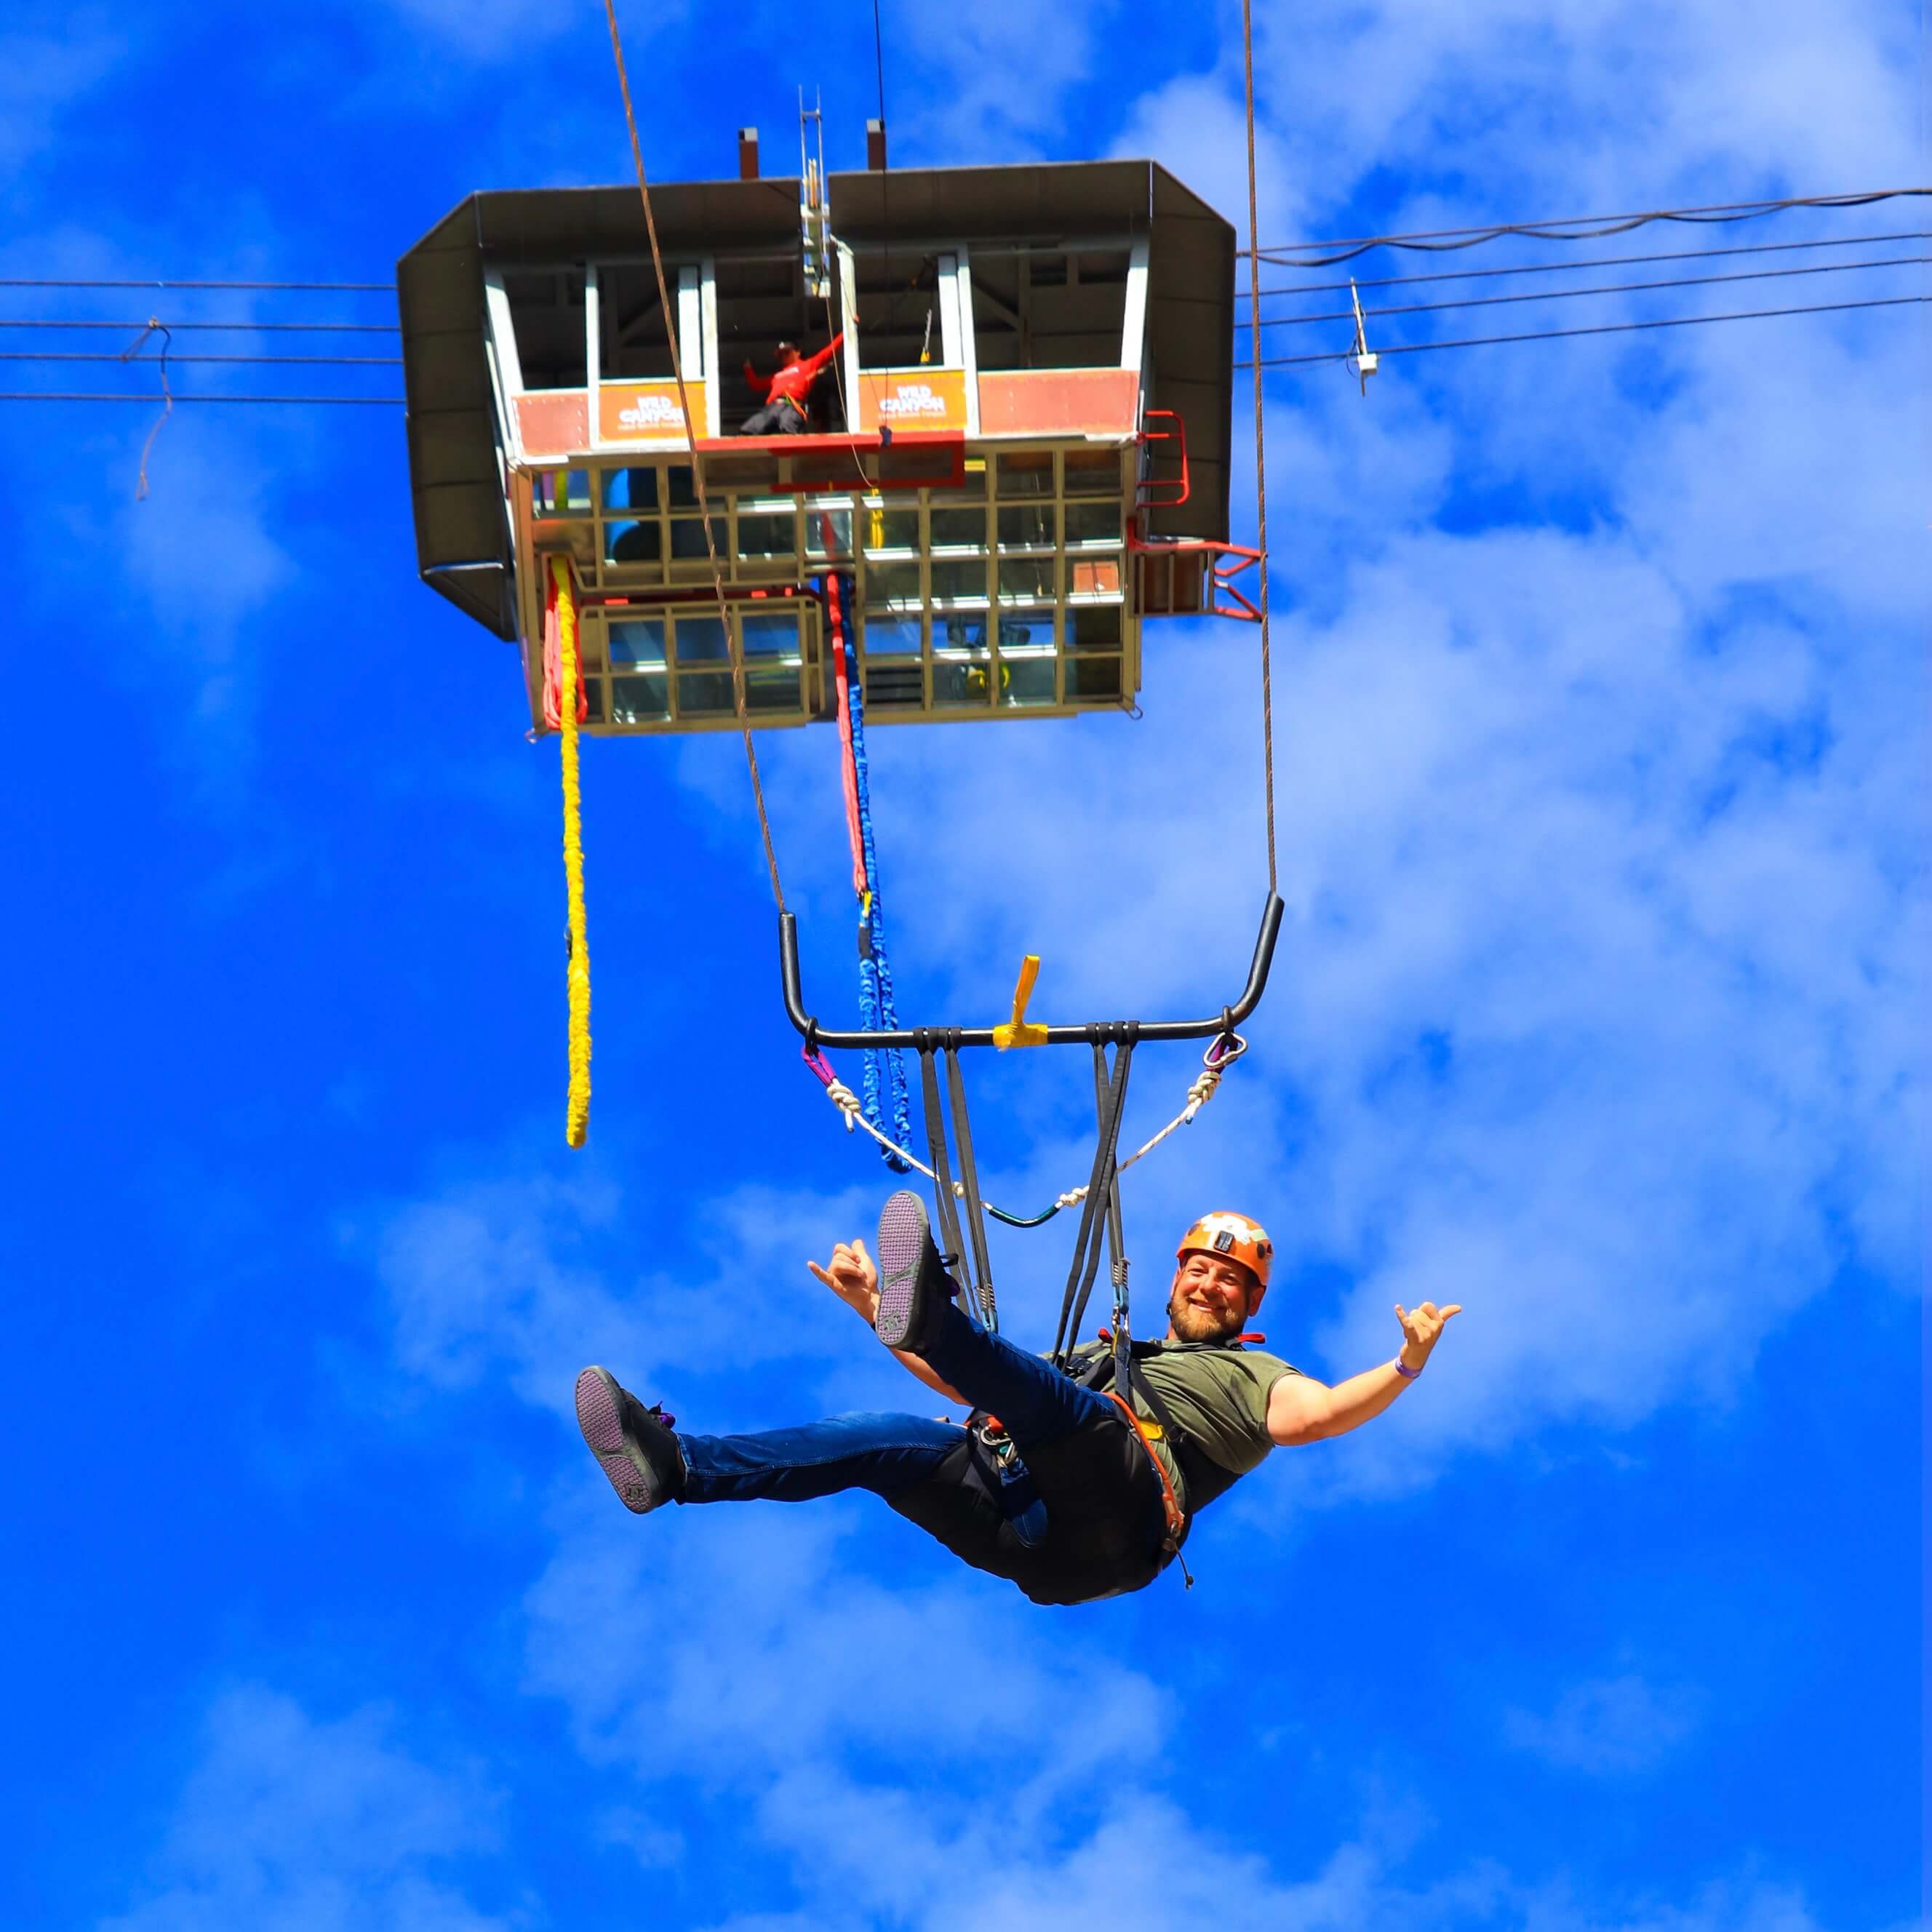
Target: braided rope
[(1216, 1062)]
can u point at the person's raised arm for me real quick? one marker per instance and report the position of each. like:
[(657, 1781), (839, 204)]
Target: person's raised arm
[(761, 385), (852, 1277), (1301, 1410), (814, 364)]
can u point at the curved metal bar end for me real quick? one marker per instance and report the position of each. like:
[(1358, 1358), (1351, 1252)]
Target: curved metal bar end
[(1263, 959), (794, 994)]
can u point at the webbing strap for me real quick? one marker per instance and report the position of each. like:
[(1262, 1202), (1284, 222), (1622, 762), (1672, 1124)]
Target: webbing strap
[(969, 1175), (1110, 1095), (1176, 1523), (952, 1238)]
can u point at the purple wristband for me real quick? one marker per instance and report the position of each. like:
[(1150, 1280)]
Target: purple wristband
[(1403, 1369)]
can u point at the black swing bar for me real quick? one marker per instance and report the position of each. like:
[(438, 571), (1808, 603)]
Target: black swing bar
[(1225, 1021)]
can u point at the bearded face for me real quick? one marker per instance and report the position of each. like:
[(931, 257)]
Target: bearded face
[(1209, 1301)]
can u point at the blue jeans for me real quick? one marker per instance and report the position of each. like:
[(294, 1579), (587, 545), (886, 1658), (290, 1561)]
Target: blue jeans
[(888, 1454)]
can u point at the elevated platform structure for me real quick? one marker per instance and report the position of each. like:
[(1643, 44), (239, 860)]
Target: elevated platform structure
[(1022, 446)]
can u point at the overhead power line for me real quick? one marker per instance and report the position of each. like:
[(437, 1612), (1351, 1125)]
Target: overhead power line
[(1599, 289), (227, 327), (1575, 228), (175, 361), (1588, 262), (1595, 328), (51, 282), (132, 396)]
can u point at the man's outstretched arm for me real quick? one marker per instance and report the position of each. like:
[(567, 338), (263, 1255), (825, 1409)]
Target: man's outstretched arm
[(1302, 1410), (852, 1277)]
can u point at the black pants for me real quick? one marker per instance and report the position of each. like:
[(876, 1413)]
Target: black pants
[(781, 417)]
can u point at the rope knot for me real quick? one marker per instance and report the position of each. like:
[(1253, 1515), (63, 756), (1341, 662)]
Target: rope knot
[(848, 1102)]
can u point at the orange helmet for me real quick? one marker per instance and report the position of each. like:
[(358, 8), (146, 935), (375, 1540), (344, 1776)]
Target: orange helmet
[(1238, 1239)]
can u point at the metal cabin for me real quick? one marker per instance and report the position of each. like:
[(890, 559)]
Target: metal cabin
[(1021, 451)]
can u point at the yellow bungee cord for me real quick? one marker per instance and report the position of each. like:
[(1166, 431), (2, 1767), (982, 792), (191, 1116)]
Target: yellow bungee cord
[(577, 1109)]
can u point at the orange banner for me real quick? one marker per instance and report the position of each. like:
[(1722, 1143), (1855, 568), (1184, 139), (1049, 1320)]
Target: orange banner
[(646, 412), (912, 399)]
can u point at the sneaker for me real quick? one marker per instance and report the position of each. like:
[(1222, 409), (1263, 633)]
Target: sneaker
[(633, 1444), (914, 1285)]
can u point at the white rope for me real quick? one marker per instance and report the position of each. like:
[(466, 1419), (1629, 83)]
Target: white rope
[(1205, 1084)]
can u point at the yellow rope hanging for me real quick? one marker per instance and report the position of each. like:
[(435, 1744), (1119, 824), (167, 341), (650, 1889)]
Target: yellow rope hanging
[(577, 1111)]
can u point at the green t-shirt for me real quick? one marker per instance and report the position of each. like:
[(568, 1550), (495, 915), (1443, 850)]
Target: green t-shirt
[(1218, 1398)]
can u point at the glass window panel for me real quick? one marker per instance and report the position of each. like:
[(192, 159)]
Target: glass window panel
[(687, 536), (1027, 472), (630, 489), (700, 639), (593, 700), (973, 482), (962, 680), (1094, 576), (766, 634), (1093, 523), (1093, 677), (769, 687), (896, 583), (955, 528), (1026, 679), (1022, 524), (634, 543), (893, 631), (1029, 576), (683, 490), (881, 529), (636, 641), (1092, 473), (767, 536), (890, 687), (1091, 624), (959, 578), (704, 693), (828, 532), (580, 539), (1022, 627), (961, 630), (561, 492), (640, 701)]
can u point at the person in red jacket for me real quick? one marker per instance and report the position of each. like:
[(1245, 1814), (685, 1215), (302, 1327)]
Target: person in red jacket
[(788, 395)]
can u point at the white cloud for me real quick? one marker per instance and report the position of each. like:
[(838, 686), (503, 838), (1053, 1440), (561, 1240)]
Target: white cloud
[(996, 75), (293, 1825), (510, 1278), (1608, 1726), (850, 1724), (43, 74)]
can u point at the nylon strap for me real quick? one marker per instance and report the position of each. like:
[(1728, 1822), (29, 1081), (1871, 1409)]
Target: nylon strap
[(969, 1175), (1110, 1095), (952, 1237)]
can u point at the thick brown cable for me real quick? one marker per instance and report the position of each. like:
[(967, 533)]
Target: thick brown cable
[(731, 643), (1260, 467)]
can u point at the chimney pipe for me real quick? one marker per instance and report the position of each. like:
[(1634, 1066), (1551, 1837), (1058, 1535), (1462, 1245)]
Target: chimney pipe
[(875, 145), (747, 154)]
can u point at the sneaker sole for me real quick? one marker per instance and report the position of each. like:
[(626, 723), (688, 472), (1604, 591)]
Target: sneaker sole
[(600, 1418), (904, 1237)]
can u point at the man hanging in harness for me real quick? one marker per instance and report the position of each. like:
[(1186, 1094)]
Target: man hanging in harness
[(787, 393), (1069, 1488)]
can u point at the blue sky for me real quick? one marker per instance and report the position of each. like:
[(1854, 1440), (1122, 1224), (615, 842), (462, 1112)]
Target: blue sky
[(1600, 718)]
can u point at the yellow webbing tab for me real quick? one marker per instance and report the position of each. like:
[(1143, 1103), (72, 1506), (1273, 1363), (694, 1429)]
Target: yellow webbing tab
[(1015, 1032), (577, 1108)]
